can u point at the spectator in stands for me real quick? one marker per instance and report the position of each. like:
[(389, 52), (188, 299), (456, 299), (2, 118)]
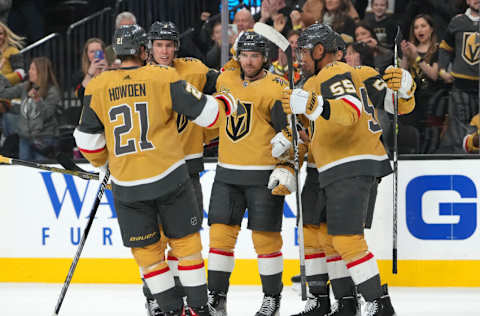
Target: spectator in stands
[(359, 54), (335, 14), (312, 11), (458, 63), (214, 54), (244, 20), (125, 18), (92, 65), (268, 10), (383, 24), (35, 118), (10, 65), (383, 57), (280, 66), (5, 6), (420, 58)]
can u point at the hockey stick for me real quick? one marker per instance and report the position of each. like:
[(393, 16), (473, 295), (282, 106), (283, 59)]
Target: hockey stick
[(67, 163), (82, 242), (82, 174), (395, 160), (278, 39)]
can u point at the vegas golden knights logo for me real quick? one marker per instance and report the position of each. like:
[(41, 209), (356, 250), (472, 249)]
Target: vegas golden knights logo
[(238, 124), (471, 48), (182, 122)]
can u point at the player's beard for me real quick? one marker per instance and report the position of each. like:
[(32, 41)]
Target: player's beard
[(252, 74)]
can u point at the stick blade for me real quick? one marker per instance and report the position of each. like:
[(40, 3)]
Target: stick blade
[(271, 34)]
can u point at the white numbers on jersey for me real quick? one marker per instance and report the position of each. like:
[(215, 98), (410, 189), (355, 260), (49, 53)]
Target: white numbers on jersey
[(193, 91), (373, 125), (340, 88), (125, 111), (379, 84)]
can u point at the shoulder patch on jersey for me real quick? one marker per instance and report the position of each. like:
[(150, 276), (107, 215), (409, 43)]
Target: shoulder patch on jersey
[(282, 82)]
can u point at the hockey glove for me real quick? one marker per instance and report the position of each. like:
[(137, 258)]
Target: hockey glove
[(282, 180), (299, 101), (400, 80), (229, 101), (281, 143)]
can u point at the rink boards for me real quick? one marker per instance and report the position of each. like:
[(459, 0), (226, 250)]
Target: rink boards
[(42, 216)]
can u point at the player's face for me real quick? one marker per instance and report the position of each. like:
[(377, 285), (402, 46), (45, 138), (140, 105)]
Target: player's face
[(307, 63), (292, 40), (163, 52), (422, 30), (353, 57), (251, 63)]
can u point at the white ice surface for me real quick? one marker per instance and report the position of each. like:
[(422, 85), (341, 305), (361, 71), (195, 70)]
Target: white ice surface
[(22, 299)]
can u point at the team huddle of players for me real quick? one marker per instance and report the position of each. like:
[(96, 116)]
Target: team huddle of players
[(149, 119)]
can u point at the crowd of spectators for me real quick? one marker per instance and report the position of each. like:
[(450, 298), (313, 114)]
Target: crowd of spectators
[(369, 28)]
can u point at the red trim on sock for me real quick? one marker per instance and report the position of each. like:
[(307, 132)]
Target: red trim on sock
[(271, 255), (172, 258), (315, 255), (154, 273), (360, 261), (221, 252), (334, 259), (194, 267)]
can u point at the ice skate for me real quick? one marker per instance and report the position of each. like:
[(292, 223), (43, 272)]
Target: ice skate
[(270, 306), (382, 306), (217, 302)]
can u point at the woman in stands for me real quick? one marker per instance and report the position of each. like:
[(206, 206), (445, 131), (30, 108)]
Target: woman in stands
[(420, 58), (93, 63), (383, 57), (336, 14), (34, 118), (11, 64)]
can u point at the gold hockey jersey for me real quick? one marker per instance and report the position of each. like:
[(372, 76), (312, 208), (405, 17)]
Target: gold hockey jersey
[(245, 152), (128, 120), (468, 145), (345, 140), (204, 79)]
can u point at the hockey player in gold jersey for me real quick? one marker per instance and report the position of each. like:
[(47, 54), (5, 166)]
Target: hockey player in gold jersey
[(128, 122), (245, 166), (164, 44), (349, 158), (379, 94)]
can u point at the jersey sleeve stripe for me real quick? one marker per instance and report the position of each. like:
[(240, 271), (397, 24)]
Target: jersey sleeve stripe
[(353, 102), (90, 143), (209, 114), (90, 151)]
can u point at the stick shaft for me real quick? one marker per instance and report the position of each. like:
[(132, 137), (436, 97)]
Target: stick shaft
[(93, 212)]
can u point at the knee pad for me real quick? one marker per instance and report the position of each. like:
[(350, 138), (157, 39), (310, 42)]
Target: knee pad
[(223, 237), (310, 238), (149, 255), (266, 242), (325, 240), (350, 247), (186, 246)]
